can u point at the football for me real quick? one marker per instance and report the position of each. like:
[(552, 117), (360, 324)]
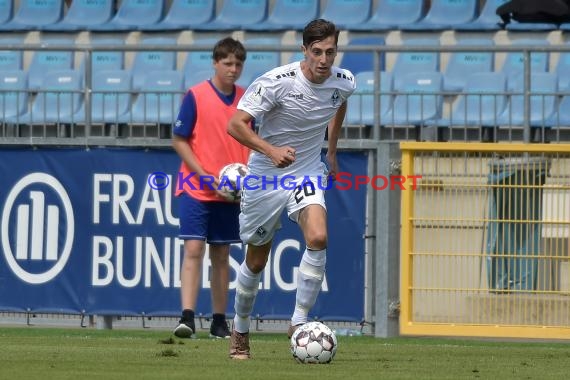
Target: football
[(313, 343), (231, 180)]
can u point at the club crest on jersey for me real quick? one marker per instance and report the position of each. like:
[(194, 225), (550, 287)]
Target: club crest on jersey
[(335, 97), (257, 95)]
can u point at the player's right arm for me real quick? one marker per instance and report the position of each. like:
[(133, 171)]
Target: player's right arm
[(239, 128)]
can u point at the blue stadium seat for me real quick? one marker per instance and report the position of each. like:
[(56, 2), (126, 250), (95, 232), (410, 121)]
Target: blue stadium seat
[(45, 61), (260, 61), (6, 11), (561, 117), (110, 99), (417, 99), (83, 13), (13, 94), (107, 60), (542, 105), (34, 14), (462, 64), (513, 65), (133, 14), (488, 19), (184, 15), (146, 61), (361, 105), (393, 14), (281, 18), (562, 69), (445, 14), (362, 61), (60, 99), (197, 67), (11, 59), (481, 102), (347, 13), (237, 14), (192, 78), (416, 61), (159, 99)]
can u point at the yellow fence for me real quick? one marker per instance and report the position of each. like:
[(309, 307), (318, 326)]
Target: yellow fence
[(485, 234)]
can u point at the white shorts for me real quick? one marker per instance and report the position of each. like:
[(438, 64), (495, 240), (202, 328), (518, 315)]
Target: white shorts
[(261, 208)]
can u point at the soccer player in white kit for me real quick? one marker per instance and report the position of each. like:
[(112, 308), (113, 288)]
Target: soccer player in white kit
[(295, 104)]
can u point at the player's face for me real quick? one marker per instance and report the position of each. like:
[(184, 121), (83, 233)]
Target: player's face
[(319, 58), (228, 70)]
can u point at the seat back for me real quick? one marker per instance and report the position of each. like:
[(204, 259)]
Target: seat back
[(39, 12), (462, 64), (146, 61), (260, 61), (89, 12), (418, 97), (45, 61), (283, 9), (11, 59), (562, 69), (357, 62), (137, 12), (488, 13), (13, 95), (361, 105), (451, 11), (107, 60), (513, 65), (190, 12), (159, 98), (542, 105), (398, 12), (347, 12), (111, 97), (58, 101), (242, 12), (482, 101), (414, 62), (6, 10)]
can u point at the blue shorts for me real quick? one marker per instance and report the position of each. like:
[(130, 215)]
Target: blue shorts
[(215, 222)]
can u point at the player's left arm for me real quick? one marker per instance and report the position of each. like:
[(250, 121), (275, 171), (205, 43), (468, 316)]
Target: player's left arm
[(334, 132)]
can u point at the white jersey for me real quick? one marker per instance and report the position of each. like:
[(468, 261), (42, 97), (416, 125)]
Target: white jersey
[(295, 112)]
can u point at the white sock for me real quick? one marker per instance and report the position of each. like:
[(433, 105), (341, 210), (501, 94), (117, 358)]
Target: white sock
[(246, 291), (309, 281)]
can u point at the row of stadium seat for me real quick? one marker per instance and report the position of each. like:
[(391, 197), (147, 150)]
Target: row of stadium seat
[(260, 15)]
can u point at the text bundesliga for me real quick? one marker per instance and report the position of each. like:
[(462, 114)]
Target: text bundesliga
[(342, 181)]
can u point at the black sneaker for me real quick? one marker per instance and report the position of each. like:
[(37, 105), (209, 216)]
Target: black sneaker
[(185, 329), (220, 331)]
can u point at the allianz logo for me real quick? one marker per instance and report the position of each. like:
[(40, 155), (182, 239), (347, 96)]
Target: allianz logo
[(37, 228)]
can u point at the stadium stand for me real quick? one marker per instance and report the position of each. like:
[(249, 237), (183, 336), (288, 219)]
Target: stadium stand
[(82, 14), (416, 61), (488, 19), (513, 66), (445, 14), (11, 59), (392, 14), (158, 99), (131, 15), (46, 61), (280, 18), (13, 94), (110, 99), (259, 62), (6, 11), (361, 106), (236, 15), (107, 60), (462, 64), (34, 14), (347, 13), (60, 98), (357, 62), (184, 14), (562, 70), (146, 61)]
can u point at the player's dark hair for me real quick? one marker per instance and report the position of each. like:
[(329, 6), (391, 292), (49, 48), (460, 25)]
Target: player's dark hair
[(318, 30), (227, 46)]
